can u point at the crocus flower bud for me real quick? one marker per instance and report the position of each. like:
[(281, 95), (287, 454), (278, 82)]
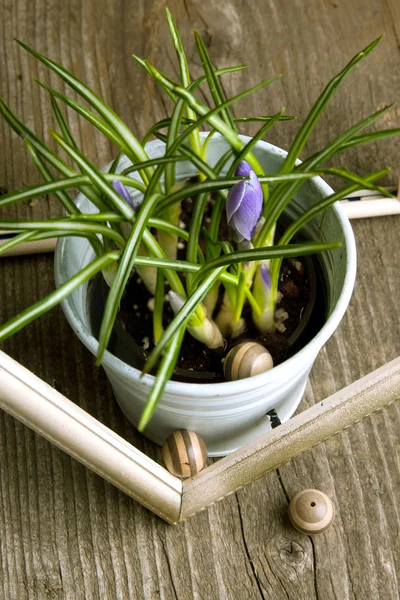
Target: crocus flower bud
[(176, 301), (205, 330), (122, 191), (243, 169), (244, 204), (262, 294), (262, 286), (266, 278)]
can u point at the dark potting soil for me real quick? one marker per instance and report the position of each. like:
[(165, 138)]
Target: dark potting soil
[(136, 318), (302, 288)]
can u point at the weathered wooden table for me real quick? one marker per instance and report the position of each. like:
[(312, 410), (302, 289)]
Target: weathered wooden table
[(64, 532)]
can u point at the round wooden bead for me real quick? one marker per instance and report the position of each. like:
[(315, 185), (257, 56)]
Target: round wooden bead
[(311, 511), (184, 453), (245, 360)]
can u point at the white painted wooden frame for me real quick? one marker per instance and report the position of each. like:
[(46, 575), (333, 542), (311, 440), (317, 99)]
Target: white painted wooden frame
[(49, 413)]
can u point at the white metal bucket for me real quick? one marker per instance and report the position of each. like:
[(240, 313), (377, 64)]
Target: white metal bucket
[(230, 414)]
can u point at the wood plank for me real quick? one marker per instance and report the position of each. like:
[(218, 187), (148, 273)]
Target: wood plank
[(302, 432), (64, 532)]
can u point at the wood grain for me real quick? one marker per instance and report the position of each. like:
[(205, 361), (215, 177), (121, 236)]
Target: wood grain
[(64, 532)]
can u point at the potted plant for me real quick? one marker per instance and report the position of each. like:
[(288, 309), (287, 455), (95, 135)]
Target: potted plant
[(199, 241)]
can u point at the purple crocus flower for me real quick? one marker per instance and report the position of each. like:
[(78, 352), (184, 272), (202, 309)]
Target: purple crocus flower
[(244, 204), (122, 191), (243, 169)]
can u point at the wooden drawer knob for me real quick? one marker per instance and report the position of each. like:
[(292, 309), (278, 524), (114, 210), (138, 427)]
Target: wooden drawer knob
[(184, 453), (245, 360), (311, 511)]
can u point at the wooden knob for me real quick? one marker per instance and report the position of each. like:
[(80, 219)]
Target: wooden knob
[(311, 511), (184, 453), (245, 360)]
